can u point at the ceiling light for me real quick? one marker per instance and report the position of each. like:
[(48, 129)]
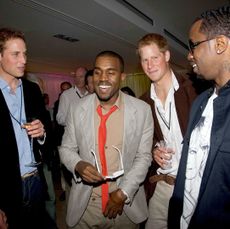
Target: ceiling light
[(66, 38)]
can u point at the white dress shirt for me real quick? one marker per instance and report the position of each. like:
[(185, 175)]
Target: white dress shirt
[(72, 95), (169, 124)]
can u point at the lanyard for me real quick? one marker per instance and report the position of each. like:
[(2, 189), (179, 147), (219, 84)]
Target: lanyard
[(167, 124), (20, 115)]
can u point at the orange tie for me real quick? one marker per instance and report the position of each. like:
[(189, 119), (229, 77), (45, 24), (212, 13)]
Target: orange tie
[(101, 148)]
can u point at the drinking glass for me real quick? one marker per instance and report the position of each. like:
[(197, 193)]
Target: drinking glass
[(169, 153), (33, 163)]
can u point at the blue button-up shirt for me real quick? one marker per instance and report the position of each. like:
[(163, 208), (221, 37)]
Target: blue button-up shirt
[(15, 103)]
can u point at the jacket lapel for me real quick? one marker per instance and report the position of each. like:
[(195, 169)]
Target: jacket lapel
[(86, 116), (218, 130), (129, 125)]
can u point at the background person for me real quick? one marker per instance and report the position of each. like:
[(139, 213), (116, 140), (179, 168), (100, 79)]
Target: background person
[(128, 91), (60, 170), (89, 81), (73, 94)]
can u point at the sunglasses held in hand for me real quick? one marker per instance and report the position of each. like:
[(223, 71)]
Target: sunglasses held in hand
[(115, 174)]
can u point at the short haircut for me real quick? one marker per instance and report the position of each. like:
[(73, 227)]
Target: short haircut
[(112, 54), (65, 82), (153, 38), (8, 34), (128, 90), (88, 74), (216, 22)]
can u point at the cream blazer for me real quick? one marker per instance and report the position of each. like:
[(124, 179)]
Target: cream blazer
[(79, 139)]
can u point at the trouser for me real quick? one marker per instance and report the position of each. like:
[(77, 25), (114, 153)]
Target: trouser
[(93, 218), (158, 206), (33, 214), (51, 202)]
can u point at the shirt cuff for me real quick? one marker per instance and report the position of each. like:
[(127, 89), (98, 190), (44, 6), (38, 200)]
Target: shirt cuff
[(127, 201), (42, 139)]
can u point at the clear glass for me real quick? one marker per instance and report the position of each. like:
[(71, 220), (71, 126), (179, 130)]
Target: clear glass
[(33, 163), (115, 174), (168, 148)]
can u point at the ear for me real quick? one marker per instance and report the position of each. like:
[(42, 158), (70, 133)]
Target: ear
[(221, 44), (167, 55), (123, 76)]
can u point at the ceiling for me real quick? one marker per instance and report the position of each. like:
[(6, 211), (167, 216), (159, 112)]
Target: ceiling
[(99, 25)]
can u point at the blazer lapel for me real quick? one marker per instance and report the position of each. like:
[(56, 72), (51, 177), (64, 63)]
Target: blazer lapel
[(86, 115), (218, 131), (129, 125)]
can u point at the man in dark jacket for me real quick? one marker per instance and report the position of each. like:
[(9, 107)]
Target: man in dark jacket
[(201, 197), (22, 192)]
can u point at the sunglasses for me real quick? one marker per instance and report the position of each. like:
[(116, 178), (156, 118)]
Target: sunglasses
[(115, 174), (192, 45)]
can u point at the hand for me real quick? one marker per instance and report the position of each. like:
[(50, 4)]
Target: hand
[(161, 155), (115, 204), (3, 220), (88, 172), (35, 128)]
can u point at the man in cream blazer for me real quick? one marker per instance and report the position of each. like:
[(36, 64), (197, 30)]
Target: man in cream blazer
[(79, 140)]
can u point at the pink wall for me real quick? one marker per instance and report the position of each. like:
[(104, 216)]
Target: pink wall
[(50, 83)]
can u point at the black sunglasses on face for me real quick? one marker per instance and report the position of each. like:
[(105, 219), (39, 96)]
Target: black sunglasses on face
[(192, 45)]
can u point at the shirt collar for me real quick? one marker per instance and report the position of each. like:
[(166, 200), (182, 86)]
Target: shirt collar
[(175, 86), (4, 85), (118, 102), (79, 92)]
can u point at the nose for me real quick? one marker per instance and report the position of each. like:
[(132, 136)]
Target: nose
[(149, 64), (23, 58), (103, 76), (190, 56)]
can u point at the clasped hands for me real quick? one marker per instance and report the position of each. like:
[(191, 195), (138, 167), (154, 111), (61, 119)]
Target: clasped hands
[(116, 199)]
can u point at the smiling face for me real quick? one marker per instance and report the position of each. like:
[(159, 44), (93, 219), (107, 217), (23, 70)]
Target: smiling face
[(107, 78), (203, 57), (154, 62), (13, 59)]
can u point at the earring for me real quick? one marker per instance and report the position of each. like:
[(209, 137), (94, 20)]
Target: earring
[(218, 51)]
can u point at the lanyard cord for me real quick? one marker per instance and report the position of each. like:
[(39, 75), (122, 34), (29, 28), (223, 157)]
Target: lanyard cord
[(167, 124), (78, 95), (20, 116)]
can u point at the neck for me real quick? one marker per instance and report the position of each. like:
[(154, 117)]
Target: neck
[(163, 86), (108, 104), (82, 89), (11, 81), (221, 82)]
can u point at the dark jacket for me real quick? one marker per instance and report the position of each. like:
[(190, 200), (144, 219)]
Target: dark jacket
[(213, 206), (184, 97), (11, 186)]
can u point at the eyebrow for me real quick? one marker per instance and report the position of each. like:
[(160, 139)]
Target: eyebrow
[(108, 69)]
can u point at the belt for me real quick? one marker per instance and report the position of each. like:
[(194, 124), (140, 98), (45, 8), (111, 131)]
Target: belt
[(162, 177), (26, 175)]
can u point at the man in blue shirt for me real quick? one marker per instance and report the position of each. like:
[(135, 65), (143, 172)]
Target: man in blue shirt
[(23, 191)]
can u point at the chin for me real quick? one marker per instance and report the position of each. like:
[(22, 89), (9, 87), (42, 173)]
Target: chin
[(103, 98)]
